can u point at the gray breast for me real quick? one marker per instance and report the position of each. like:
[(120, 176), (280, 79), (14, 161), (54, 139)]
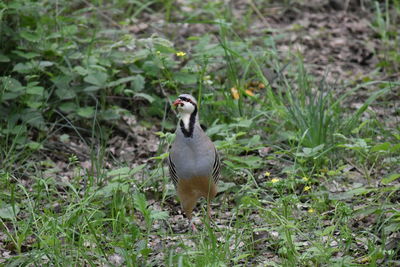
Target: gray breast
[(193, 156)]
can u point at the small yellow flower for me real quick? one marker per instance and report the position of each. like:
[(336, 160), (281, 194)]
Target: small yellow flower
[(311, 210), (307, 188), (235, 93), (158, 52), (267, 174), (181, 54), (249, 92), (306, 179), (275, 180)]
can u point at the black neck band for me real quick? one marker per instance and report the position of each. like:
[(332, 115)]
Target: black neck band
[(192, 121)]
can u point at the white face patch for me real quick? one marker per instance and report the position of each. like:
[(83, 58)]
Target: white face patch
[(186, 108)]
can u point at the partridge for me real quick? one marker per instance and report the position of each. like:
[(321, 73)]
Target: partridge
[(193, 159)]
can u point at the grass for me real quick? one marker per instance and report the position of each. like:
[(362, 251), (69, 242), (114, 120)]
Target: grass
[(308, 180)]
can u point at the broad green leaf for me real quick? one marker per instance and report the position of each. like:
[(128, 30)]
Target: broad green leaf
[(140, 203), (310, 152), (122, 81), (7, 212), (381, 147), (30, 36), (222, 186), (24, 68), (34, 118), (62, 81), (27, 55), (36, 90), (97, 78), (145, 96), (35, 145), (109, 114), (10, 95), (92, 88), (81, 71), (86, 112), (11, 84), (34, 104), (65, 93), (215, 129), (44, 64), (68, 107), (138, 83)]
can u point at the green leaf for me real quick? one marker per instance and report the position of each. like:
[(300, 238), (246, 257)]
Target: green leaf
[(44, 64), (27, 55), (109, 114), (138, 83), (7, 212), (222, 186), (91, 89), (35, 90), (33, 118), (97, 78), (30, 36), (381, 147), (390, 178), (310, 152), (140, 203), (11, 84), (81, 71), (65, 93), (86, 112), (35, 145), (145, 96), (122, 81), (10, 95), (24, 68), (68, 107)]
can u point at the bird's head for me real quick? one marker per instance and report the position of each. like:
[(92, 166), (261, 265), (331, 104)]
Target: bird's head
[(186, 104)]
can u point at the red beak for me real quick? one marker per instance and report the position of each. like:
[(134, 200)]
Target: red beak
[(177, 102)]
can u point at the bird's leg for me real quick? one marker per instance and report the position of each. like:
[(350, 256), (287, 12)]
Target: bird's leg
[(188, 202)]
